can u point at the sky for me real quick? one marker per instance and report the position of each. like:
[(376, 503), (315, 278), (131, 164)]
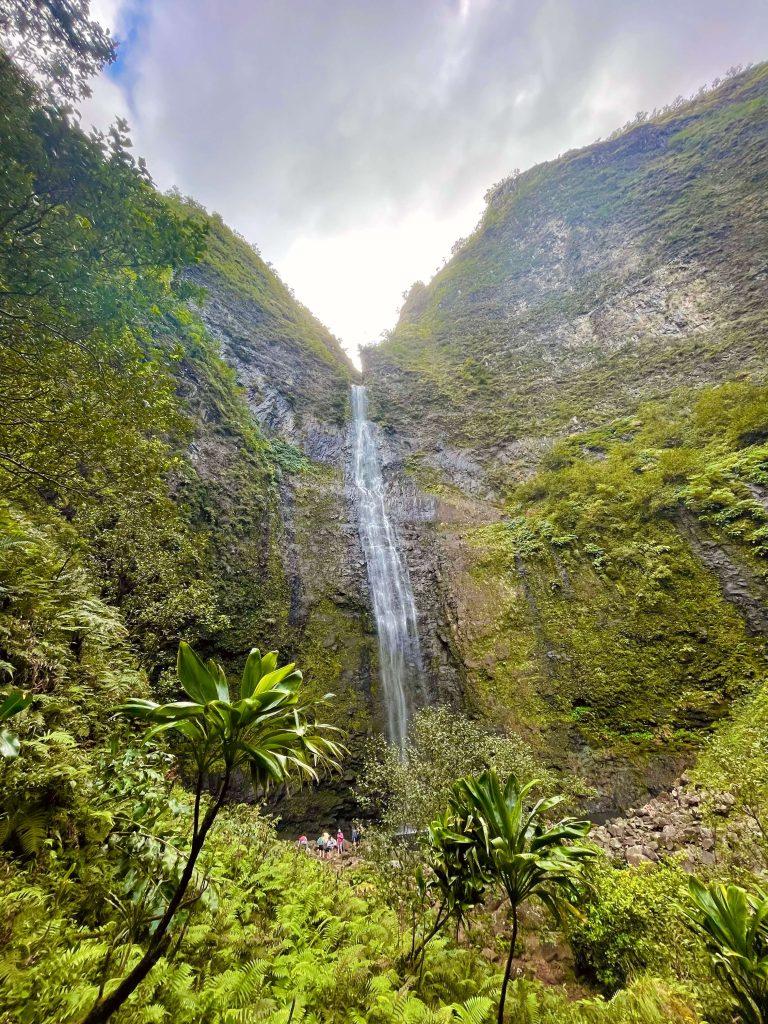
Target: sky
[(353, 140)]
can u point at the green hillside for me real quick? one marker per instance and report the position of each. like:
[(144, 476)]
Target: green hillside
[(611, 275), (591, 366)]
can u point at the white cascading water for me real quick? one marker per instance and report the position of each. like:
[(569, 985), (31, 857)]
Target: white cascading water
[(393, 606)]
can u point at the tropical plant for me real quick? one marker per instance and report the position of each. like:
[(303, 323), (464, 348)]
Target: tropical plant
[(409, 788), (268, 731), (456, 877), (13, 704), (734, 926), (515, 846)]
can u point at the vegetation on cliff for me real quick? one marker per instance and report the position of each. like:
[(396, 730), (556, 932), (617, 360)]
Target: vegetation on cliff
[(143, 505), (589, 369), (607, 589), (608, 276)]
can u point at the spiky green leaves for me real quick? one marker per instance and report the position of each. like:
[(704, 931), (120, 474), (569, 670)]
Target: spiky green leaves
[(734, 926), (517, 845), (489, 834), (268, 730)]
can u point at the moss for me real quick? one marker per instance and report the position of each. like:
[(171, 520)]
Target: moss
[(335, 641), (478, 358), (587, 613)]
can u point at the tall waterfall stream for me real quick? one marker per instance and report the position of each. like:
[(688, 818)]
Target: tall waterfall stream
[(392, 597)]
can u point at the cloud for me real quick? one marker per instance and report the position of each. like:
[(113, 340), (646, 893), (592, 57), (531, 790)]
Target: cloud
[(352, 139)]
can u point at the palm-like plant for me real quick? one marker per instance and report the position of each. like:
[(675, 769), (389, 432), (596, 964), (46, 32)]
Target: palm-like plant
[(456, 876), (268, 731), (517, 846), (14, 703), (734, 926)]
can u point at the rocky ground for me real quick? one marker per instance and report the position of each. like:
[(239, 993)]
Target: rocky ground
[(687, 820)]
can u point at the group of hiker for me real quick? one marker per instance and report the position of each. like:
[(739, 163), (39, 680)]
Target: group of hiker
[(328, 845)]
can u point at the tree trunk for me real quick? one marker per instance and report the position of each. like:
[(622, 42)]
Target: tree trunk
[(508, 969), (105, 1007), (440, 921)]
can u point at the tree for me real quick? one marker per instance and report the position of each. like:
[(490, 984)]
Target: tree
[(407, 789), (456, 878), (515, 846), (56, 41), (268, 731), (88, 300), (734, 926)]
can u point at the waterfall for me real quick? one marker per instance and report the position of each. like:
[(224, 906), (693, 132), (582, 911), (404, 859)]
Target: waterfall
[(393, 606)]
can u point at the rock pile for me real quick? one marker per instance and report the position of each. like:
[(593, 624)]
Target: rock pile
[(683, 820)]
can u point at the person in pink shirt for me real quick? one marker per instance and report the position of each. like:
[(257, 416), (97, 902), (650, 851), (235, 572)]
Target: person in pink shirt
[(340, 842)]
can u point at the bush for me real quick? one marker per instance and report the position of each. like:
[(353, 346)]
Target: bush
[(632, 924)]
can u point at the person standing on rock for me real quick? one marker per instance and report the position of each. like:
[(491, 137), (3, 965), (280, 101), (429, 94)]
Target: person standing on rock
[(340, 842)]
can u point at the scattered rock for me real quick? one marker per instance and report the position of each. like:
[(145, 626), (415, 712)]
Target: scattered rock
[(668, 824)]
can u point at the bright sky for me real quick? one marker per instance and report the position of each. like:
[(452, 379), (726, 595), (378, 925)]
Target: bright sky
[(353, 140)]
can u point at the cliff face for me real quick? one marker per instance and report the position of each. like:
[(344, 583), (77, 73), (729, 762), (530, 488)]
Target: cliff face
[(577, 399), (282, 518), (572, 421), (610, 275)]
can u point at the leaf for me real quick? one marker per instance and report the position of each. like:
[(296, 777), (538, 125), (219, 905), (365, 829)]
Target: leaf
[(13, 704), (220, 679), (194, 676), (269, 662), (251, 673), (9, 743)]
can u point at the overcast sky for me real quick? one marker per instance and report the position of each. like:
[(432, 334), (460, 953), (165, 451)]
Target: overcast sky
[(353, 140)]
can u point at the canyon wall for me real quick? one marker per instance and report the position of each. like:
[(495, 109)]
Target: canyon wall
[(604, 321)]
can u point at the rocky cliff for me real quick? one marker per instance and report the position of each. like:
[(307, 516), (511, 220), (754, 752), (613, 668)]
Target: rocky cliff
[(293, 560), (577, 404), (272, 486)]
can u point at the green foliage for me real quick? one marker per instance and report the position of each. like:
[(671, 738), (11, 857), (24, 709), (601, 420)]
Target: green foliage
[(604, 596), (12, 705), (645, 1001), (68, 651), (408, 788), (735, 760), (58, 42), (57, 638), (491, 836), (88, 254), (278, 940), (734, 926), (513, 844), (268, 730), (630, 924)]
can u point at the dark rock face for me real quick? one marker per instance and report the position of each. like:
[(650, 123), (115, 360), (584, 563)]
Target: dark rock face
[(740, 584), (295, 391)]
